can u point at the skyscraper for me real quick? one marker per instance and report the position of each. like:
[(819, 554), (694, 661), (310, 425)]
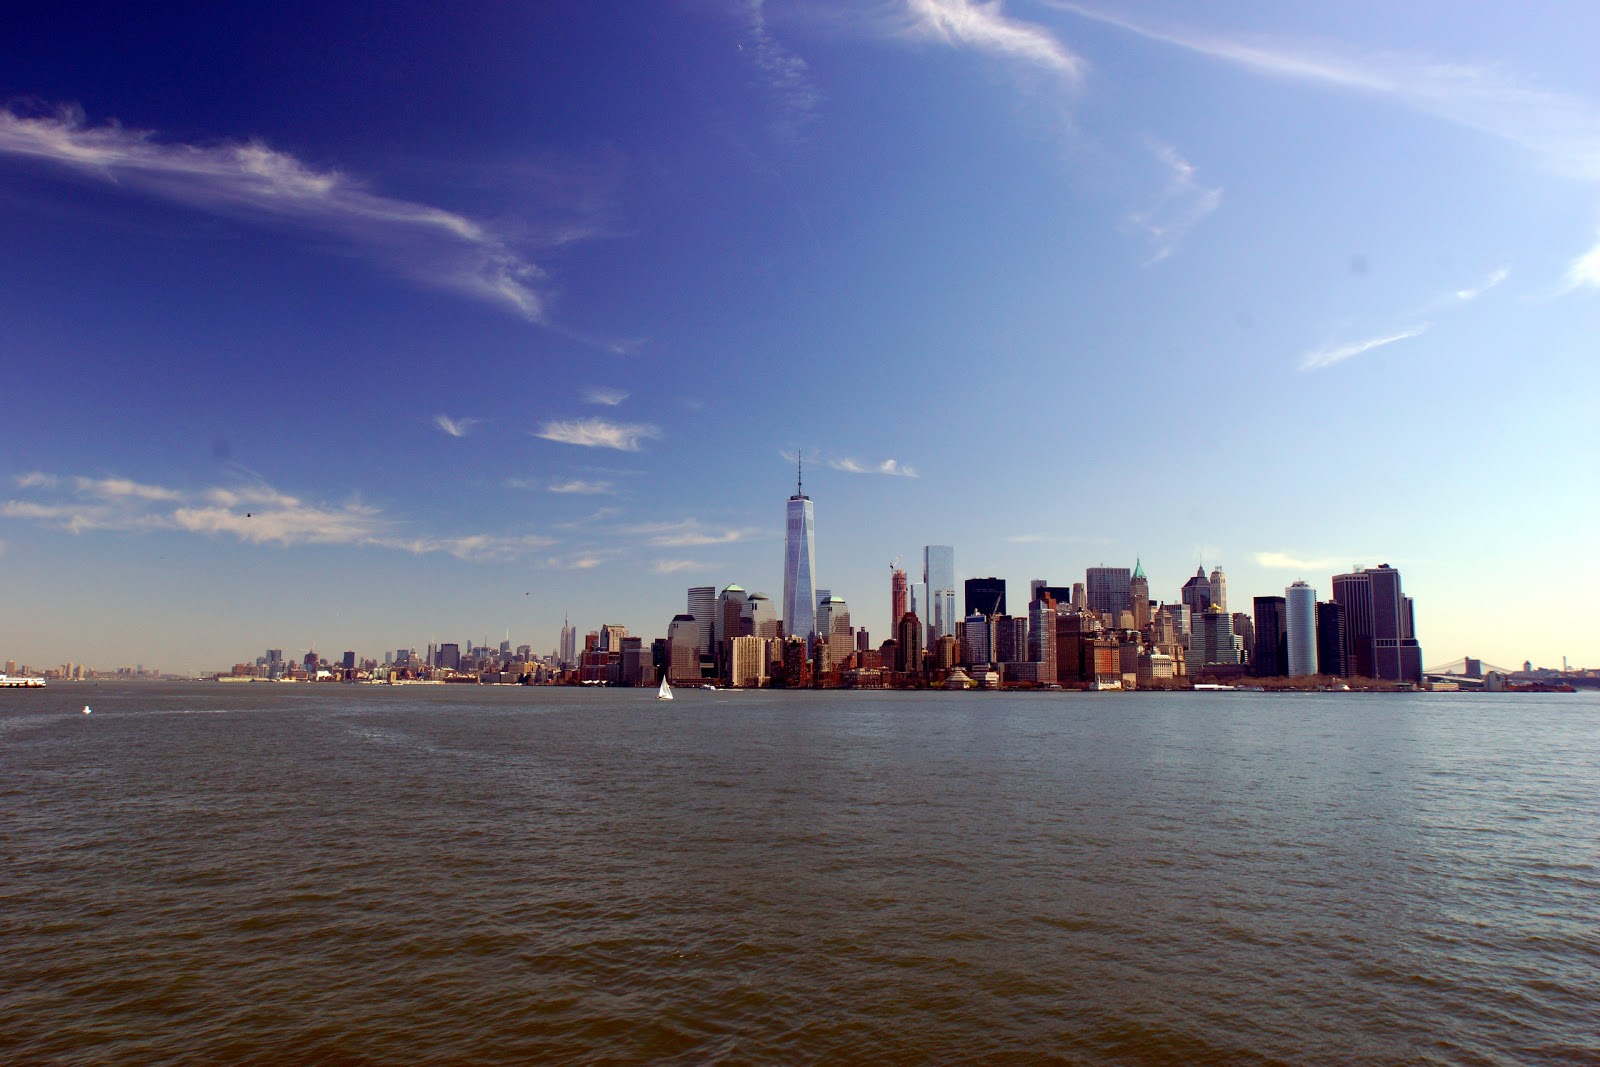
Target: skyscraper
[(703, 608), (1270, 656), (939, 575), (569, 644), (1139, 594), (985, 596), (1108, 591), (799, 563), (1219, 589), (1333, 656), (683, 649), (1379, 625), (1301, 618), (1196, 594), (899, 596)]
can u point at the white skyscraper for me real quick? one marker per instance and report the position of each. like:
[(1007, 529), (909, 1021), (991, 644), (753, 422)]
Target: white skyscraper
[(799, 564), (1301, 612), (1219, 589)]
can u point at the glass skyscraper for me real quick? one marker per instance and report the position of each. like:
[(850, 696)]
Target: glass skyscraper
[(799, 564), (939, 575), (1301, 618)]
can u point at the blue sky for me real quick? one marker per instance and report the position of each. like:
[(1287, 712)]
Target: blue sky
[(346, 326)]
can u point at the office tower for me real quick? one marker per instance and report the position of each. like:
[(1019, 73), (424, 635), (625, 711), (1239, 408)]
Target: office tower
[(1379, 625), (1060, 594), (1219, 589), (833, 625), (569, 645), (683, 649), (976, 646), (730, 620), (1245, 629), (863, 640), (799, 563), (919, 601), (908, 644), (1301, 608), (1080, 597), (611, 636), (760, 617), (1139, 594), (1213, 641), (349, 662), (1269, 657), (749, 662), (635, 667), (985, 596), (1010, 639), (939, 575), (1332, 654), (1108, 592), (703, 607), (1196, 595), (899, 595), (1041, 630)]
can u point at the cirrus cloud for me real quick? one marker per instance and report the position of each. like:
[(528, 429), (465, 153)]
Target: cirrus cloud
[(598, 433), (429, 245)]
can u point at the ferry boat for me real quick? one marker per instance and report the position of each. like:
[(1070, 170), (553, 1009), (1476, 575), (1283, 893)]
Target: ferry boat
[(21, 682)]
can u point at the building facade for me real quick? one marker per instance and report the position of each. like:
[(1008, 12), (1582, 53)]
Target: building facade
[(1300, 606)]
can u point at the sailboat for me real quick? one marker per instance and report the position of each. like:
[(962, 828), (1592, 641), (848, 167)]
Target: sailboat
[(665, 692)]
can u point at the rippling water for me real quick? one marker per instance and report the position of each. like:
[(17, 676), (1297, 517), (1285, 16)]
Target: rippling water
[(339, 874)]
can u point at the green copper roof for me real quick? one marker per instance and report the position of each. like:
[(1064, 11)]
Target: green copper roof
[(1138, 569)]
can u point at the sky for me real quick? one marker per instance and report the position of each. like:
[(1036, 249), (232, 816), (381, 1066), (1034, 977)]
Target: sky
[(333, 326)]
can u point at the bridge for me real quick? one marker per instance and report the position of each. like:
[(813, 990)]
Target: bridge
[(1466, 672)]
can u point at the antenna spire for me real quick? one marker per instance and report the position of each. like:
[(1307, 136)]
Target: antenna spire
[(799, 484)]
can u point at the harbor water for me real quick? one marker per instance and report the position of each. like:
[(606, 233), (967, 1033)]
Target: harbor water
[(210, 873)]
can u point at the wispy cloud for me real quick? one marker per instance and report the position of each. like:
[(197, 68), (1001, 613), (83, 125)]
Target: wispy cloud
[(114, 488), (597, 433), (684, 533), (1466, 296), (985, 28), (34, 480), (1183, 203), (255, 514), (888, 466), (673, 566), (428, 245), (581, 487), (1327, 357), (786, 74), (1585, 270), (1561, 130), (455, 427), (606, 397)]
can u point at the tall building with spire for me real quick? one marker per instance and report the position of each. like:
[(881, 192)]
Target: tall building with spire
[(569, 644), (1139, 595), (899, 596), (799, 562)]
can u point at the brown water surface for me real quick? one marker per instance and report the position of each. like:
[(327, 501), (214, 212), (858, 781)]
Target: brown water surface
[(340, 874)]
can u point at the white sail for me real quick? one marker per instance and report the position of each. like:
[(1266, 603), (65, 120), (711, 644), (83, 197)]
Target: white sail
[(665, 692)]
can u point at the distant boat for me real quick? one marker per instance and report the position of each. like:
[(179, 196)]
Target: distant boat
[(9, 682), (86, 709), (665, 692), (709, 686)]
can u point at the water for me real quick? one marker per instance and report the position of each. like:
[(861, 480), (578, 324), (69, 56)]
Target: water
[(339, 874)]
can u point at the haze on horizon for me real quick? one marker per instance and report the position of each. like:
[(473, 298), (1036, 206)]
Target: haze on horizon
[(360, 326)]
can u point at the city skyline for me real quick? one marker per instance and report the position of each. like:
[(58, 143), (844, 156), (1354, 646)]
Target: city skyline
[(316, 337)]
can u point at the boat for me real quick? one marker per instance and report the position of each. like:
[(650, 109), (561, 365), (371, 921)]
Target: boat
[(86, 710), (1213, 687), (20, 682), (709, 686), (665, 692)]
